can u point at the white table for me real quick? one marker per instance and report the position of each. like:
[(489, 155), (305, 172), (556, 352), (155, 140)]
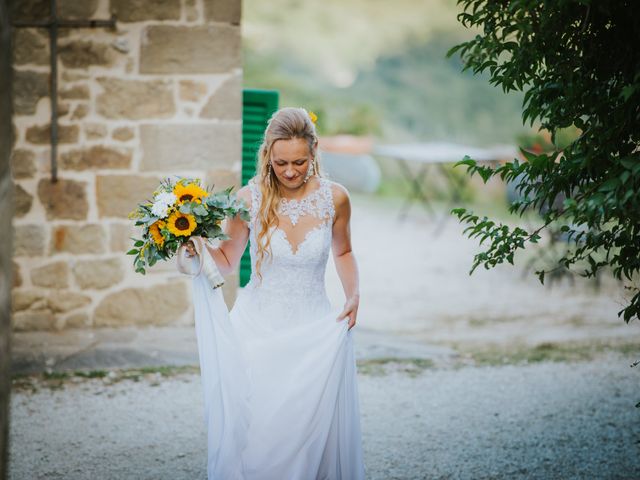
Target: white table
[(443, 156)]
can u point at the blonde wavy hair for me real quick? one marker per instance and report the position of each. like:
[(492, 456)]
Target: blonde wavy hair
[(285, 124)]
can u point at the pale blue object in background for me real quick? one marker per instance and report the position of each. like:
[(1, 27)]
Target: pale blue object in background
[(357, 172)]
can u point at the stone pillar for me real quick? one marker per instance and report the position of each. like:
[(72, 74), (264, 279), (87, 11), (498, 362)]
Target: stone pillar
[(6, 212)]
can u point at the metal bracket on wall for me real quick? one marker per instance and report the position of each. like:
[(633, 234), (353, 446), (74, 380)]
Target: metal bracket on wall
[(53, 23)]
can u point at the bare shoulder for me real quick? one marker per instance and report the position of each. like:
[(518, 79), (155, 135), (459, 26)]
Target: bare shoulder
[(340, 194)]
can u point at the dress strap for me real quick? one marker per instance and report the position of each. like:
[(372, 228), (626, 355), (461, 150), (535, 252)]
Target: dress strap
[(255, 198), (327, 196)]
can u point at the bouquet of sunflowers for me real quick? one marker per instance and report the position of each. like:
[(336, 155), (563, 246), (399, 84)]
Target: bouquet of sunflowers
[(178, 210)]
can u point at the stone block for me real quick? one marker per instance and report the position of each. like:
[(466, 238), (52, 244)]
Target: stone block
[(192, 91), (190, 146), (229, 11), (77, 9), (29, 10), (52, 275), (157, 305), (183, 50), (30, 45), (135, 99), (220, 179), (71, 76), (33, 320), (81, 111), (140, 10), (89, 238), (17, 276), (28, 89), (64, 199), (118, 195), (26, 299), (23, 164), (85, 54), (191, 11), (120, 237), (41, 134), (97, 157), (22, 201), (29, 240), (77, 320), (95, 131), (75, 92), (36, 307), (63, 109), (226, 102), (123, 134), (98, 274), (62, 301)]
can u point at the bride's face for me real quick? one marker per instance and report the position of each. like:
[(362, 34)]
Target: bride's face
[(290, 160)]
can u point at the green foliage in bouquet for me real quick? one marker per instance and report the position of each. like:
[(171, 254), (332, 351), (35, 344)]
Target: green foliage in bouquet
[(179, 210)]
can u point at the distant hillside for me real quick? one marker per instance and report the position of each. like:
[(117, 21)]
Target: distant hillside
[(422, 93), (381, 72)]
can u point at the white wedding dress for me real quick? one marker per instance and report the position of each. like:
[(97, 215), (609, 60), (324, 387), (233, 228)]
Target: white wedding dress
[(278, 371)]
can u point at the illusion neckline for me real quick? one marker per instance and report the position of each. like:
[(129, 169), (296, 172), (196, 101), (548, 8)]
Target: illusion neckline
[(309, 195), (307, 236)]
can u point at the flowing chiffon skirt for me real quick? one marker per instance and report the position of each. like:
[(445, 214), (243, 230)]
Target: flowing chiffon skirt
[(281, 398)]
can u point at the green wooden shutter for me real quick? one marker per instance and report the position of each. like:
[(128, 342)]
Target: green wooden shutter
[(257, 108)]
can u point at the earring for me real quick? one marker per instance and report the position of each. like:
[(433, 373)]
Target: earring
[(268, 170), (309, 170)]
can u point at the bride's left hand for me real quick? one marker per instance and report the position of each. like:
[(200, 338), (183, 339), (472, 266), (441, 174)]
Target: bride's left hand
[(350, 310)]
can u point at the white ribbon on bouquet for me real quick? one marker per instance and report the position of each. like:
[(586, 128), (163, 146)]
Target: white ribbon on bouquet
[(206, 264)]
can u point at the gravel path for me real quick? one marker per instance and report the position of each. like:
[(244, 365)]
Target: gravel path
[(545, 420)]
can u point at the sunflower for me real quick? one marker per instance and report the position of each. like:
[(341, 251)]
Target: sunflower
[(180, 224), (189, 193), (154, 230)]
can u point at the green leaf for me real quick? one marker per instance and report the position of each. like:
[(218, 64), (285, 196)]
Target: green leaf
[(200, 210), (609, 185), (466, 161), (245, 215)]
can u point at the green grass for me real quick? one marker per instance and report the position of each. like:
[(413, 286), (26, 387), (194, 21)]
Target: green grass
[(490, 355), (386, 365), (58, 379), (566, 352)]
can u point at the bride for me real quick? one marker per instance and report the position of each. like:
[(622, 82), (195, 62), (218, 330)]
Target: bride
[(278, 370)]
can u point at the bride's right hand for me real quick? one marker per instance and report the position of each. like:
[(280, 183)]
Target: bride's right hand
[(191, 250)]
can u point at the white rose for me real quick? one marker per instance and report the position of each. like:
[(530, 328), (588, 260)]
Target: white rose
[(162, 203)]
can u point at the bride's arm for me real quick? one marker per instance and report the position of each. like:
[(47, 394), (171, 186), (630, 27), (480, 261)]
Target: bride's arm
[(343, 256), (228, 253)]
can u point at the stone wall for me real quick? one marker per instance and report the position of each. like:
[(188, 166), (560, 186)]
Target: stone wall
[(160, 95)]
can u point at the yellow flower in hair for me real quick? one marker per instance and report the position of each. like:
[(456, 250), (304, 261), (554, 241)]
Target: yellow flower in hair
[(313, 117), (189, 193), (181, 224), (154, 230)]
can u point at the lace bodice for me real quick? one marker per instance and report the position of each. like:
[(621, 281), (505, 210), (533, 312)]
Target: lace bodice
[(319, 204), (293, 275)]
